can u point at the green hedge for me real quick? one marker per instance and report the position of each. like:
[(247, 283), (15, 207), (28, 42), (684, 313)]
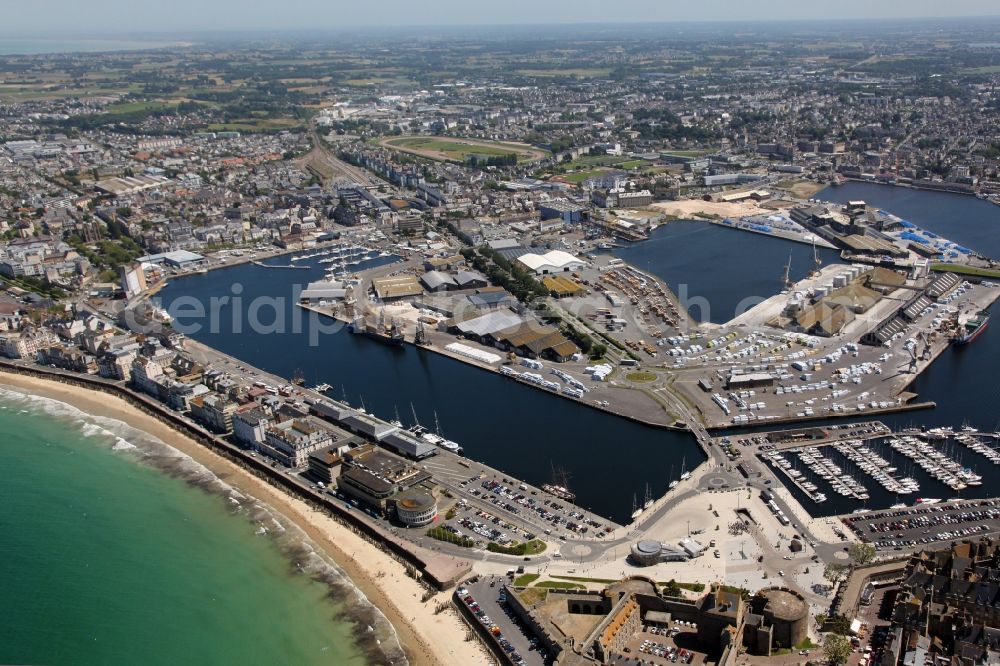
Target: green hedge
[(441, 534)]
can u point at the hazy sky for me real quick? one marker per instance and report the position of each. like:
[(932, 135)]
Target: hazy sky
[(125, 16)]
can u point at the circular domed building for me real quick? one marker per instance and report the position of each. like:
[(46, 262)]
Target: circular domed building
[(646, 553), (416, 509), (786, 612)]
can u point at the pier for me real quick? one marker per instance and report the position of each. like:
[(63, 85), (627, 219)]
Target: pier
[(263, 265), (788, 232)]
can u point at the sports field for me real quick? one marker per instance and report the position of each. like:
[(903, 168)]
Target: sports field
[(454, 149)]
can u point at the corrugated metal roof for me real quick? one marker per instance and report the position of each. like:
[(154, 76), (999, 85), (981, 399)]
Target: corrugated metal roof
[(435, 279), (489, 323)]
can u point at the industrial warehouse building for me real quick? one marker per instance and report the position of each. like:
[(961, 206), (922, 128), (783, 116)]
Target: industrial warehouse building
[(396, 287), (320, 292), (555, 261), (435, 281), (567, 211)]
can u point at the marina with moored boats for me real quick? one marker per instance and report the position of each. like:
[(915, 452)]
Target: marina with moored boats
[(901, 464)]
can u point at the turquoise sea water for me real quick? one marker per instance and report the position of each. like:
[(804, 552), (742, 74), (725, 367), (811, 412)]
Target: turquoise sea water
[(116, 549)]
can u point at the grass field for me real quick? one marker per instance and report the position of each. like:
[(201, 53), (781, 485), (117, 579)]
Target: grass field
[(453, 149), (583, 73), (560, 585), (253, 125), (640, 376), (687, 153), (967, 270), (618, 162), (578, 177), (135, 107), (525, 579), (41, 92), (534, 595), (379, 80), (525, 548)]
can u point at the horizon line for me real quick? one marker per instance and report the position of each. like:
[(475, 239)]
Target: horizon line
[(177, 32)]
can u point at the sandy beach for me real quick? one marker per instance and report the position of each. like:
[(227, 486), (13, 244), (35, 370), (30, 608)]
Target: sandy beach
[(427, 638)]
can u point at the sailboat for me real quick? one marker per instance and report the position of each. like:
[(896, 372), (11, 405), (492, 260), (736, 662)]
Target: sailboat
[(636, 509), (560, 485), (649, 499), (416, 428), (816, 260), (437, 439), (684, 475)]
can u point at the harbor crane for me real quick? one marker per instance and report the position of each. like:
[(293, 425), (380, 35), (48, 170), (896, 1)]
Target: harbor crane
[(912, 351), (787, 279), (912, 347), (420, 338), (925, 355), (817, 262)]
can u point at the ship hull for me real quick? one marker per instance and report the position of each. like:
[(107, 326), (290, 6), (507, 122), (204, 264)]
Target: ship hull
[(384, 339), (559, 492), (969, 337), (392, 339)]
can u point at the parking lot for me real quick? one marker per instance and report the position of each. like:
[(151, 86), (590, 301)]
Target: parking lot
[(906, 528), (516, 506), (491, 608), (815, 376), (673, 644), (490, 510)]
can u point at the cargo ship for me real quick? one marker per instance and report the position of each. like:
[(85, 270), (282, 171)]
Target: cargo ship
[(973, 328), (386, 333)]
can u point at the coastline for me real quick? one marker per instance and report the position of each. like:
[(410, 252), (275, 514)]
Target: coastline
[(426, 637)]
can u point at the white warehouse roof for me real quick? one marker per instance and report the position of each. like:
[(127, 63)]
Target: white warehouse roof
[(555, 260)]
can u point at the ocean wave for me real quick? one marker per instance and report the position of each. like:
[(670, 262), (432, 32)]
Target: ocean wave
[(380, 645), (123, 445)]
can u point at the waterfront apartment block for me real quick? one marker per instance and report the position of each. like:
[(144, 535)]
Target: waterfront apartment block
[(290, 442)]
